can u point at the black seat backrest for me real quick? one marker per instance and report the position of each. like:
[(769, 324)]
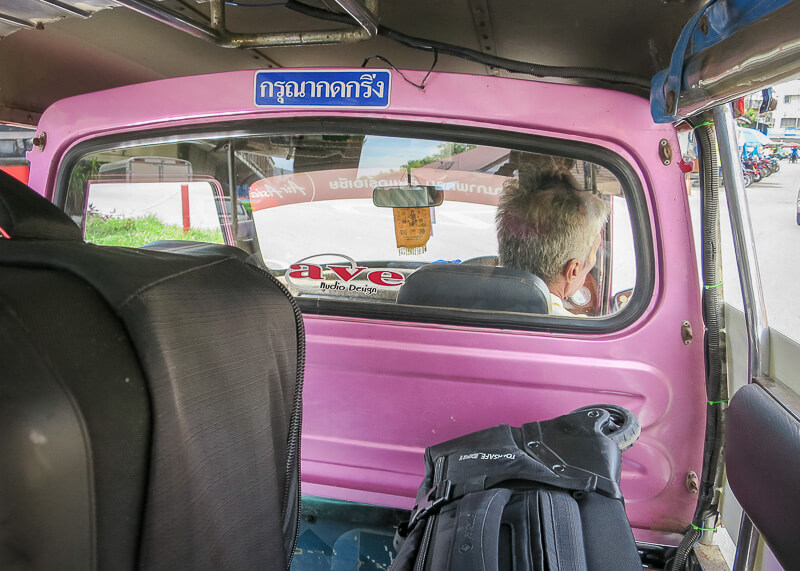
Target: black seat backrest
[(475, 287), (762, 462), (150, 403), (191, 248)]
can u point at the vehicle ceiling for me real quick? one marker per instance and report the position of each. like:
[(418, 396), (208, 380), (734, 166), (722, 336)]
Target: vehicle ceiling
[(65, 54)]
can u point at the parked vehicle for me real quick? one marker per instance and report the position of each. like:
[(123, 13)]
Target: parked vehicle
[(759, 170), (798, 208), (748, 176), (147, 169)]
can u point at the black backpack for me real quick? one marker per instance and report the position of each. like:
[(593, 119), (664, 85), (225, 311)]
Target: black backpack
[(541, 497)]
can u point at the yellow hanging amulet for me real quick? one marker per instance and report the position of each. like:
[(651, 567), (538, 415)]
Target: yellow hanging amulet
[(412, 228)]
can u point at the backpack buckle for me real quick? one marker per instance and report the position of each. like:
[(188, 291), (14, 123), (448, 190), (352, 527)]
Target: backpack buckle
[(439, 495)]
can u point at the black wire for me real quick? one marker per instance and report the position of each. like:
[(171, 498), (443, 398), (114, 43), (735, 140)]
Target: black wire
[(714, 433), (420, 85), (515, 66)]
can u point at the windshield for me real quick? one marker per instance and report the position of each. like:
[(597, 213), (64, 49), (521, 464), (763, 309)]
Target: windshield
[(305, 207)]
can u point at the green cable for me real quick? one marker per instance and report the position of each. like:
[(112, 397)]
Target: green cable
[(713, 402), (712, 286), (704, 528), (703, 125)]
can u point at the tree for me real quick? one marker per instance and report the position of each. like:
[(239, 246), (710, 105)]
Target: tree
[(446, 150)]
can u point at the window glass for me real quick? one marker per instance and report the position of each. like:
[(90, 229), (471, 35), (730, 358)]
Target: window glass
[(773, 206), (135, 214), (379, 219)]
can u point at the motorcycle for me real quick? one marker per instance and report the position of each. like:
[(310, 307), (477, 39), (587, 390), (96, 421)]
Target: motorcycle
[(748, 176), (756, 172), (747, 173), (774, 164)]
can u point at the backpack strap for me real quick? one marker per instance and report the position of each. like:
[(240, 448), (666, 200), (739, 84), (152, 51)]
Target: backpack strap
[(477, 533)]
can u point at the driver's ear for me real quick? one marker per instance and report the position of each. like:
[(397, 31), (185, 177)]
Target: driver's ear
[(572, 270)]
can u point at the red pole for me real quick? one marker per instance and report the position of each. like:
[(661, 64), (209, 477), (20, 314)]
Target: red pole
[(185, 204)]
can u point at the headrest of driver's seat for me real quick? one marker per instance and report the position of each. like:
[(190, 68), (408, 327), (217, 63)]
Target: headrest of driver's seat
[(476, 287), (24, 214)]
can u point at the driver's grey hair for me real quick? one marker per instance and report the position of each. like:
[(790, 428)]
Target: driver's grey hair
[(544, 220)]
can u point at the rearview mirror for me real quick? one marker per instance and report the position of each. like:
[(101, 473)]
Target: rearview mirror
[(407, 196)]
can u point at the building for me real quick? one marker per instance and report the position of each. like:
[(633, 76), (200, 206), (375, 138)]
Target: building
[(786, 117)]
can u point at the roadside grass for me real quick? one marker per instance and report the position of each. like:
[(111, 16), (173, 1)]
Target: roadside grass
[(135, 232)]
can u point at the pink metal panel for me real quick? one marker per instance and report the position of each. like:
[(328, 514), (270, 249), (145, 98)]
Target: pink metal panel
[(378, 392), (212, 98)]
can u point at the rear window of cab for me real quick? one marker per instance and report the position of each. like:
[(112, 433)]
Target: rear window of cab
[(461, 227)]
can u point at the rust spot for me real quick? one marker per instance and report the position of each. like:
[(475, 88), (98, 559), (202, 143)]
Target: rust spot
[(704, 24), (670, 102)]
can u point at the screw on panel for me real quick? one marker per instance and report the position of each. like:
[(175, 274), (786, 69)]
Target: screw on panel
[(39, 141), (686, 332), (665, 151), (558, 468), (692, 483), (533, 444), (593, 413)]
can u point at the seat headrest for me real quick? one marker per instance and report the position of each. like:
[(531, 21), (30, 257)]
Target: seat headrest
[(476, 287), (24, 214)]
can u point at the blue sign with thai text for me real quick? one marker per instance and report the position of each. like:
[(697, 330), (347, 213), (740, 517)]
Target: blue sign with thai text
[(330, 88)]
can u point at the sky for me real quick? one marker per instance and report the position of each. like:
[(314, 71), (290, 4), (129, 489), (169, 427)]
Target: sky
[(382, 152)]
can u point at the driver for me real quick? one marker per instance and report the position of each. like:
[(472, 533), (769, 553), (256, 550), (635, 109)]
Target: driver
[(549, 226)]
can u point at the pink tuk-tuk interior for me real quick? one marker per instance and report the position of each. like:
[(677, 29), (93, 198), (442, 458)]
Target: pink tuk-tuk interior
[(383, 380), (403, 348)]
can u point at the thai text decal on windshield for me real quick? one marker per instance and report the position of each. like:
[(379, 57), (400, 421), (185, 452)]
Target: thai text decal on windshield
[(332, 88), (337, 184)]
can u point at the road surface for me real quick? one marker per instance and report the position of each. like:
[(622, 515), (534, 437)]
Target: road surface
[(772, 205)]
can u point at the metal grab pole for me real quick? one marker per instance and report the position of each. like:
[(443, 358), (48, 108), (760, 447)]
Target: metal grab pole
[(365, 15), (234, 195), (755, 313), (754, 310)]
